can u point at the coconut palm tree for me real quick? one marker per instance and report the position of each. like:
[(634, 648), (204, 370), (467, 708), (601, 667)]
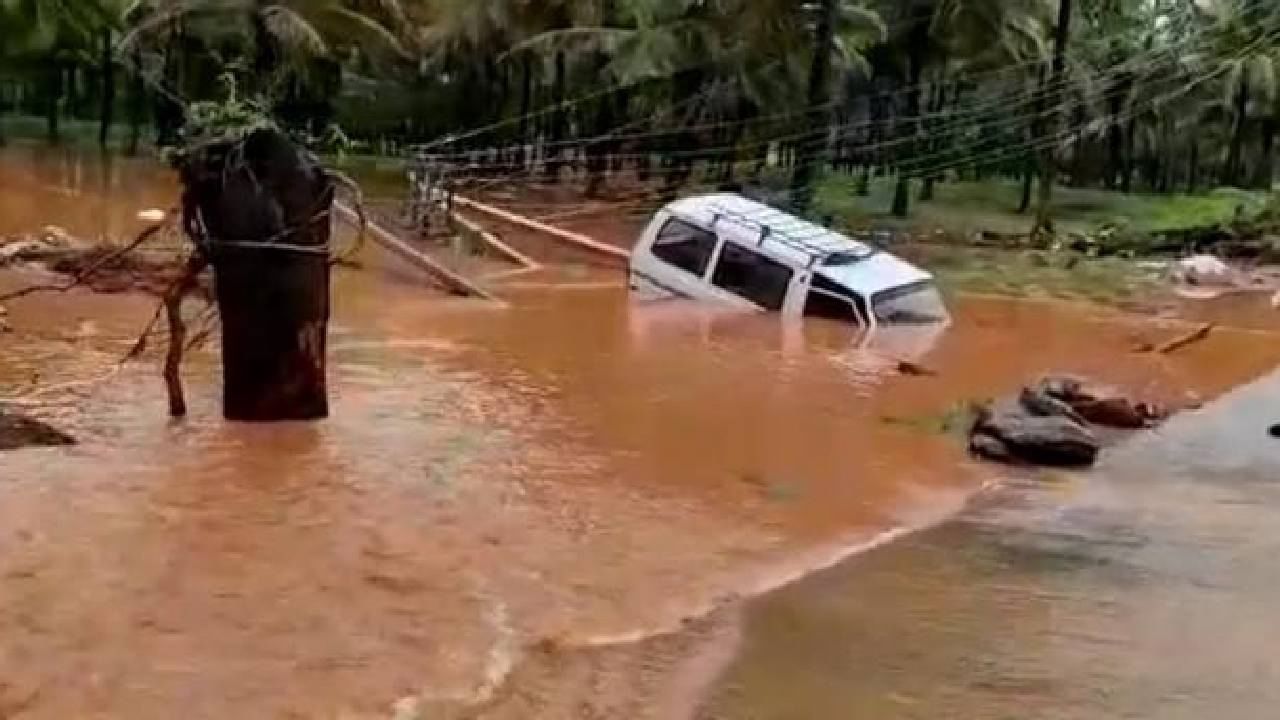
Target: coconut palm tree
[(1247, 74), (958, 35), (280, 45)]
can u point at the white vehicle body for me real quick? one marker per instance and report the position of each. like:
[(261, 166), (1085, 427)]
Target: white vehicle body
[(728, 249)]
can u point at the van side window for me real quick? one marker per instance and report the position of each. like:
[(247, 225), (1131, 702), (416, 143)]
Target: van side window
[(829, 300), (685, 246), (753, 276)]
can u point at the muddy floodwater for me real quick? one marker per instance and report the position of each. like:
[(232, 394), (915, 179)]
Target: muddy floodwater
[(571, 506)]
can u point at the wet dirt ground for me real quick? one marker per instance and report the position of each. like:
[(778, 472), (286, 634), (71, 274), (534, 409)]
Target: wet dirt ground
[(550, 509), (1144, 589)]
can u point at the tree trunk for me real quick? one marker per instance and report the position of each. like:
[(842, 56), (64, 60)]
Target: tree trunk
[(863, 187), (267, 219), (169, 114), (678, 159), (1079, 118), (918, 45), (3, 137), (902, 195), (743, 114), (598, 150), (1232, 171), (558, 118), (1028, 184), (1130, 156), (1115, 135), (52, 111), (1265, 175), (1193, 164), (266, 51), (107, 69), (1048, 159), (813, 148), (526, 105), (1037, 132), (933, 145), (137, 104)]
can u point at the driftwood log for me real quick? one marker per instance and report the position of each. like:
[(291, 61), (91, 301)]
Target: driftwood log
[(258, 209), (17, 431)]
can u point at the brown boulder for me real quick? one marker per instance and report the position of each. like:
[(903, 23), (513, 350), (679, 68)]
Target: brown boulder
[(1009, 430), (1115, 412), (1099, 406)]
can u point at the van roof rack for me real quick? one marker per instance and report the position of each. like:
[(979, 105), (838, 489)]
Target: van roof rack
[(794, 233)]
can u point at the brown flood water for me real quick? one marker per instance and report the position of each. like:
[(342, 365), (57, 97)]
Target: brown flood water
[(511, 510)]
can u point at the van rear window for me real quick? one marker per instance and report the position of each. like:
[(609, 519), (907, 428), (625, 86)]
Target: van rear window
[(685, 246)]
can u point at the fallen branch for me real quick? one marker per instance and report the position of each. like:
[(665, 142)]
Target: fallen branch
[(89, 271), (178, 334), (1182, 341), (577, 239), (525, 262), (208, 325), (173, 359), (455, 282), (906, 367), (140, 346), (362, 228)]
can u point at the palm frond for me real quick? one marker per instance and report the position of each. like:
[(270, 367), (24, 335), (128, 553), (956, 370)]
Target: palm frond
[(370, 28), (293, 32)]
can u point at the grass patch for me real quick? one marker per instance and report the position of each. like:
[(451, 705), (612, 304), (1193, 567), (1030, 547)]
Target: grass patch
[(964, 208), (1036, 274), (955, 420)]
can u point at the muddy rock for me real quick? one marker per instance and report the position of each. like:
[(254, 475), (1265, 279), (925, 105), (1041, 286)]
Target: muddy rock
[(1096, 405), (23, 250), (1066, 388), (1010, 431), (1118, 412), (1041, 404), (990, 447), (18, 431), (1053, 423), (57, 237), (30, 249)]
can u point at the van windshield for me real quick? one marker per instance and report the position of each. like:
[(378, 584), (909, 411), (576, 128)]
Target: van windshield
[(915, 304)]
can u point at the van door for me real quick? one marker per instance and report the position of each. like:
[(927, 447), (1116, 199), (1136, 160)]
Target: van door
[(753, 276)]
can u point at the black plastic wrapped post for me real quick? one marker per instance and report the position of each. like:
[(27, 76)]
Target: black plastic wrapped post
[(260, 209)]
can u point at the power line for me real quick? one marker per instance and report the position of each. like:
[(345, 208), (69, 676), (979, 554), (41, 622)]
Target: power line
[(954, 119), (565, 105)]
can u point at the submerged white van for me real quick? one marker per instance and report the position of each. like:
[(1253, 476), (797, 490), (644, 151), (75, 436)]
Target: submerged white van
[(729, 249)]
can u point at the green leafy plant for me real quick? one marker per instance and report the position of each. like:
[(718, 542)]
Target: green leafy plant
[(222, 122)]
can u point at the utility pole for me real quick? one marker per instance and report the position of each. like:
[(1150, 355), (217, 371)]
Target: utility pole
[(813, 148), (1048, 160)]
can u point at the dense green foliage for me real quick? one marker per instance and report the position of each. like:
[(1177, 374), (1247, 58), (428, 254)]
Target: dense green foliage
[(1159, 95)]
